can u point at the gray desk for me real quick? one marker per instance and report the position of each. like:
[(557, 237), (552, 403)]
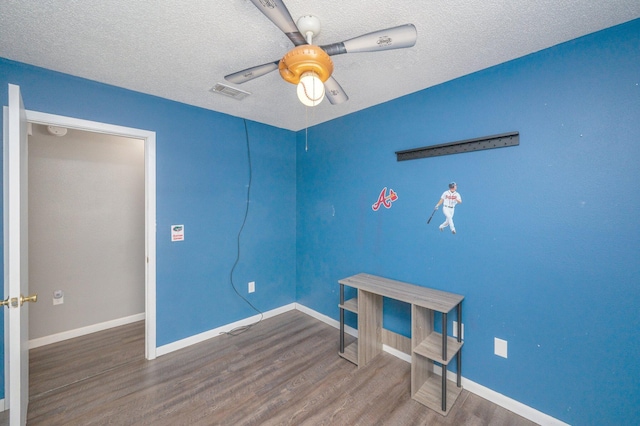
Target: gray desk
[(427, 346)]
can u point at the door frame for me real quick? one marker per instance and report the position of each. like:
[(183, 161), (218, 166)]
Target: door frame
[(149, 138)]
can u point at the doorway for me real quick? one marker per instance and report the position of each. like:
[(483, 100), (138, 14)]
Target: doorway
[(86, 232), (149, 215)]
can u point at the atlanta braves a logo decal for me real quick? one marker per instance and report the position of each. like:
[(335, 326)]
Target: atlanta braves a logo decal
[(384, 199)]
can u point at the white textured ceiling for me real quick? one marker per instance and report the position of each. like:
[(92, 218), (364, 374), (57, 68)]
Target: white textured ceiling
[(179, 49)]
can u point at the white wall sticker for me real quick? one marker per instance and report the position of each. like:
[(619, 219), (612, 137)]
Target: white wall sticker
[(177, 233)]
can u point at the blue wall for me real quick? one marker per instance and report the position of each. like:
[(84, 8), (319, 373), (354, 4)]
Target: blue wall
[(202, 178), (547, 247)]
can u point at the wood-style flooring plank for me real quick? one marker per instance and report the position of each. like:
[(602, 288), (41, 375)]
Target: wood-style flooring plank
[(283, 371), (90, 355)]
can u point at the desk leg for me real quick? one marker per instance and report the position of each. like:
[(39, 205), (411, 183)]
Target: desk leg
[(444, 387), (444, 336), (459, 322), (369, 326), (444, 357), (342, 319), (459, 376)]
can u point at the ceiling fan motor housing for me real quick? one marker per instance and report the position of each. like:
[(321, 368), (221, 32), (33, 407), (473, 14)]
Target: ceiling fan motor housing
[(305, 58)]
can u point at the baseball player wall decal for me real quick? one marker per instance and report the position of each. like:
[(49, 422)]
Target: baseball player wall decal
[(449, 198)]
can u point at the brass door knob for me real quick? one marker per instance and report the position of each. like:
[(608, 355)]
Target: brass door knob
[(4, 302), (33, 298)]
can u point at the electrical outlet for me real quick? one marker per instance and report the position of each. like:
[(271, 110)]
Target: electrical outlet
[(500, 347), (455, 329), (252, 286)]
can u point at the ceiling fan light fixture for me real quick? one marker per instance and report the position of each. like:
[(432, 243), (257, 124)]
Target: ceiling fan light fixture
[(309, 67), (310, 89), (306, 57), (301, 59)]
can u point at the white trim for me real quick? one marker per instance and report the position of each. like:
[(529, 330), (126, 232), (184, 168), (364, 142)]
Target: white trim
[(398, 354), (484, 392), (150, 245), (150, 203), (82, 331), (327, 320), (86, 125), (510, 404), (5, 160), (324, 318), (198, 338)]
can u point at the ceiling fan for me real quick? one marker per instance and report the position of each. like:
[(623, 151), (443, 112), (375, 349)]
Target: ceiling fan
[(310, 66)]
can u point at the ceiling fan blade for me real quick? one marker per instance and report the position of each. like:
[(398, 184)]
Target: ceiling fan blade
[(392, 38), (334, 92), (251, 73), (278, 13)]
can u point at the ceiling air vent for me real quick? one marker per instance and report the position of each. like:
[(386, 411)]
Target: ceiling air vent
[(229, 91)]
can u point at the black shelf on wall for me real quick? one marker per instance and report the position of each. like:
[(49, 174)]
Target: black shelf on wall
[(468, 145)]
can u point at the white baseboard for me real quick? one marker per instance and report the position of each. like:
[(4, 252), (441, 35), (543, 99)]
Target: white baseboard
[(327, 320), (508, 403), (59, 337), (482, 391), (397, 353), (180, 344)]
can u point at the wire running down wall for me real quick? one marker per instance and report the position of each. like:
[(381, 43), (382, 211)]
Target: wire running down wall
[(469, 145)]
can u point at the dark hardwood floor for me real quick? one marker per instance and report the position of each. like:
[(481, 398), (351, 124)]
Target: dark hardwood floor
[(283, 371)]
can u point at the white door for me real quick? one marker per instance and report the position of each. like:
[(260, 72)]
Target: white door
[(16, 262)]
